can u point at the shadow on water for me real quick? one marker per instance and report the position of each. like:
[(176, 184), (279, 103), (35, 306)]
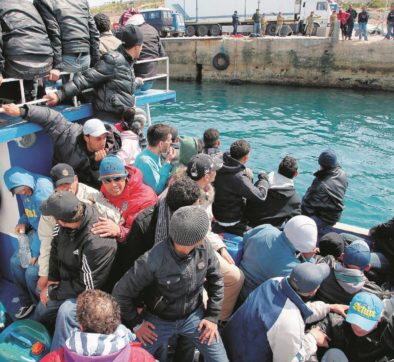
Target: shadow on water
[(301, 122)]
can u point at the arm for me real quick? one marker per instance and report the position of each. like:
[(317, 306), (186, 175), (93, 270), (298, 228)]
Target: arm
[(153, 177), (254, 193), (319, 309), (94, 41), (45, 233), (383, 231), (2, 60), (53, 275), (23, 220)]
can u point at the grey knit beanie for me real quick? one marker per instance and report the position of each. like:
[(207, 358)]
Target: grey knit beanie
[(189, 225)]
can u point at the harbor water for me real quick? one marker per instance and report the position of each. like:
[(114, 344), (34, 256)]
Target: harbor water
[(300, 122)]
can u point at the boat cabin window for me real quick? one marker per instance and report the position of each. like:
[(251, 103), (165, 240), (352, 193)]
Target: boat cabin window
[(322, 6)]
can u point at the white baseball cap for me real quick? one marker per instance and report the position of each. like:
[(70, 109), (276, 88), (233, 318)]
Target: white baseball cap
[(302, 232), (94, 127)]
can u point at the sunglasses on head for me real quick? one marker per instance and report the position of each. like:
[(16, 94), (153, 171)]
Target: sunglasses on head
[(109, 180)]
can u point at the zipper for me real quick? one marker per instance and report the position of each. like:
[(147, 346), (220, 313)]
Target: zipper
[(158, 302)]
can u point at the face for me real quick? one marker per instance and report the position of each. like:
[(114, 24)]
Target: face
[(135, 51), (165, 145), (212, 176), (114, 186), (73, 187), (69, 225), (358, 331), (95, 144), (25, 191)]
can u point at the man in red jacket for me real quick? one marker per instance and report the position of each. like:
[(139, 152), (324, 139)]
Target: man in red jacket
[(124, 188)]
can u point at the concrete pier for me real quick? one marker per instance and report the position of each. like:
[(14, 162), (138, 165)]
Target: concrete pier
[(315, 61)]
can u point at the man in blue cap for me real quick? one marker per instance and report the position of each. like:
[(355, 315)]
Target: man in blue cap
[(323, 201)]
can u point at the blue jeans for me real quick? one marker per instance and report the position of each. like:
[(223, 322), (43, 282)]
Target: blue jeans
[(66, 322), (257, 28), (362, 28), (26, 281), (75, 63), (390, 30), (187, 327)]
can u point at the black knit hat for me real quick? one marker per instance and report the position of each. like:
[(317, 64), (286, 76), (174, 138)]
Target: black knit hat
[(131, 36), (189, 225)]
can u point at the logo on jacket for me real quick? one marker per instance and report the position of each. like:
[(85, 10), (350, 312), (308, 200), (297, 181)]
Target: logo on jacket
[(76, 252), (124, 206), (201, 265)]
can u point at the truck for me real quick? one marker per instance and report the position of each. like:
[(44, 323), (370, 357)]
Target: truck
[(166, 21), (205, 17)]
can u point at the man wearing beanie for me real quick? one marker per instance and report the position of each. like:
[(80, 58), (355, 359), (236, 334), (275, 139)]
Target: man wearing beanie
[(270, 253), (172, 276), (323, 201), (112, 79), (270, 325)]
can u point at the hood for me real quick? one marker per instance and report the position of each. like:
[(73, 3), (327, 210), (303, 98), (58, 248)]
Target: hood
[(83, 346), (327, 172), (280, 182), (231, 165), (137, 19), (18, 176)]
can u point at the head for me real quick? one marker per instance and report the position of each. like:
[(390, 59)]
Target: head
[(332, 244), (133, 120), (64, 178), (257, 10), (19, 181), (302, 233), (364, 313), (357, 256), (240, 150), (288, 167), (312, 13), (189, 226), (350, 6), (202, 169), (211, 138), (392, 7), (334, 12), (280, 13), (183, 192), (328, 159), (65, 208), (306, 278), (136, 20), (132, 40), (235, 12), (95, 135), (98, 312), (22, 190), (113, 175), (159, 138), (364, 8), (102, 22), (174, 135)]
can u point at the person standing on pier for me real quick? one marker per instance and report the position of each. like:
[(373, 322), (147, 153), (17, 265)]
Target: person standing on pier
[(256, 22), (363, 17), (279, 23), (390, 23), (310, 25), (350, 21), (333, 20), (235, 22), (343, 18), (263, 24)]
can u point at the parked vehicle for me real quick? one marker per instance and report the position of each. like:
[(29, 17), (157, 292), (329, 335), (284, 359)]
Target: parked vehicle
[(203, 17), (166, 21)]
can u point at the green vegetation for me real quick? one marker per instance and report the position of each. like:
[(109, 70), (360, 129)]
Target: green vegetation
[(373, 4), (117, 7)]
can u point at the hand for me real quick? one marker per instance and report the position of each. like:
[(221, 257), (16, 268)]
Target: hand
[(249, 173), (20, 229), (52, 98), (321, 338), (12, 110), (226, 255), (170, 154), (339, 309), (54, 75), (33, 260), (44, 296), (145, 333), (262, 176), (210, 331), (1, 79), (106, 228), (99, 155), (42, 283)]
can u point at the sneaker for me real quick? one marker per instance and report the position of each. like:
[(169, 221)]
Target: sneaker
[(24, 311)]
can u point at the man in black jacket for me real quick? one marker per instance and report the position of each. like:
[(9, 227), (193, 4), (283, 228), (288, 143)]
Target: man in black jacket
[(350, 21), (172, 277), (81, 147), (323, 201), (282, 202), (233, 186), (79, 260), (73, 34), (112, 79)]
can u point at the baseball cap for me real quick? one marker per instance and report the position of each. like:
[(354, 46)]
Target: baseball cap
[(301, 231), (358, 254), (62, 205), (309, 276), (94, 127), (131, 36), (364, 311), (202, 164), (62, 174)]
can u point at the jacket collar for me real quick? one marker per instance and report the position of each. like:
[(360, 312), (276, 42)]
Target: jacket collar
[(326, 172), (122, 50)]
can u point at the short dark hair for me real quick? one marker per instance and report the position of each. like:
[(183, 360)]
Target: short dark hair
[(174, 134), (98, 312), (183, 192), (288, 167), (158, 132), (103, 23), (239, 149), (211, 136)]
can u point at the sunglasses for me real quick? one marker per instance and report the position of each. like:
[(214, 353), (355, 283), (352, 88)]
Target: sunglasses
[(116, 179)]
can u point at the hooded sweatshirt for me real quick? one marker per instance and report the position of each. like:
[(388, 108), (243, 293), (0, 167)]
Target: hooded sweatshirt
[(281, 204), (41, 187)]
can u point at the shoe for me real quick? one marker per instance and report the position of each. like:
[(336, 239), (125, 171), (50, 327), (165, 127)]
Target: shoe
[(24, 311)]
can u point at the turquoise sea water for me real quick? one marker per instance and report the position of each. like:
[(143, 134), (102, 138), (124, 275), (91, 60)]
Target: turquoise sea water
[(301, 122)]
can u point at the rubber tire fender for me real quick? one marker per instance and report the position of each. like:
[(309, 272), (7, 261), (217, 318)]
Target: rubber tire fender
[(221, 61)]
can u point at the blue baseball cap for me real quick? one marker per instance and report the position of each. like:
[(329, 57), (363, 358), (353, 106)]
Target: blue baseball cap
[(358, 254), (364, 311), (308, 276), (112, 167)]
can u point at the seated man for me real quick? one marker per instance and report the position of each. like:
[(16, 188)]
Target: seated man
[(282, 202), (101, 335), (172, 277), (32, 190), (148, 161), (108, 41), (270, 253), (365, 334), (212, 142), (81, 147), (233, 186), (79, 260), (112, 79), (323, 201), (270, 325)]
